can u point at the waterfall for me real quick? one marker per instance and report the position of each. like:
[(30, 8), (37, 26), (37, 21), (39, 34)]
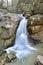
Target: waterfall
[(21, 47)]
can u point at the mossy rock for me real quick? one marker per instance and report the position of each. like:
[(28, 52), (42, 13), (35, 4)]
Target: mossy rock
[(0, 19), (1, 30)]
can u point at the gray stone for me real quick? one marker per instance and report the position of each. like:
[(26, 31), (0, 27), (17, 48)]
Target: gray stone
[(9, 57), (8, 27), (39, 60)]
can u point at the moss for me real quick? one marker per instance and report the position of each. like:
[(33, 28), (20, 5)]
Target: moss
[(1, 30), (0, 19)]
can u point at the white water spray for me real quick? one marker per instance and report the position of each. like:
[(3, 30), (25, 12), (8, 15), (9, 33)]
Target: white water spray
[(21, 47)]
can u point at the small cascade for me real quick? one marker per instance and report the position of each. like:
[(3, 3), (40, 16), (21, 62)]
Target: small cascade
[(21, 47)]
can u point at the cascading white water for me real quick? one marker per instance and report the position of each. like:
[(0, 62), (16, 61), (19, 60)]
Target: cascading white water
[(21, 47)]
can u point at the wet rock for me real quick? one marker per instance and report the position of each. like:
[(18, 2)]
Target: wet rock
[(39, 60), (10, 57)]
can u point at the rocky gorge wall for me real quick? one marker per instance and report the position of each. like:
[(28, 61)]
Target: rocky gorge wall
[(8, 26), (33, 9)]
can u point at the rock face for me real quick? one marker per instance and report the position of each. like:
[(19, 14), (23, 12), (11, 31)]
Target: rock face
[(9, 57), (8, 27), (36, 19), (35, 24)]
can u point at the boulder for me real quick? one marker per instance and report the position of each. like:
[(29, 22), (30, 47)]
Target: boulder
[(39, 60), (10, 57), (36, 19)]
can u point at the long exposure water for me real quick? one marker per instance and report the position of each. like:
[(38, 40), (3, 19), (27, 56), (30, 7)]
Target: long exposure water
[(21, 47)]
